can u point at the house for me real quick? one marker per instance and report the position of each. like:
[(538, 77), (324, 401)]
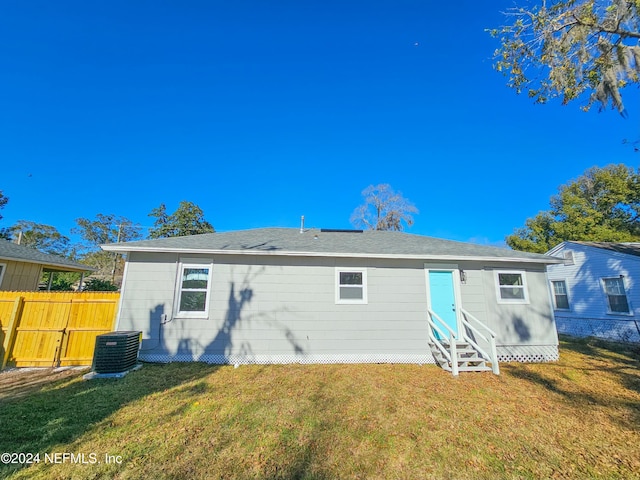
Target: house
[(596, 289), (21, 267), (282, 295)]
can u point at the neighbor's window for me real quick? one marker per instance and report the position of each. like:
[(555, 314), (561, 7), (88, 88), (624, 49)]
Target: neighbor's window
[(2, 268), (511, 286), (351, 286), (194, 290), (616, 296), (560, 295)]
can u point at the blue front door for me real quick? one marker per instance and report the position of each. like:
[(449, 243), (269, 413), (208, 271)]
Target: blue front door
[(443, 299)]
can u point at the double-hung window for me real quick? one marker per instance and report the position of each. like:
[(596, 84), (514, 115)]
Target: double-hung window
[(351, 285), (511, 286), (616, 295), (560, 297), (193, 299)]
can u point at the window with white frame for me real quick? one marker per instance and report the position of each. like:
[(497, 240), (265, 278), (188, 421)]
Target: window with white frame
[(616, 295), (560, 296), (193, 298), (3, 267), (351, 285), (511, 286)]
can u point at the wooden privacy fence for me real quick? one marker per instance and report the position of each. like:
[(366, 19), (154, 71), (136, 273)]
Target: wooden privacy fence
[(45, 329)]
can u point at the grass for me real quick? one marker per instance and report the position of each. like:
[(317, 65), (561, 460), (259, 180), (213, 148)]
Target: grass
[(578, 418)]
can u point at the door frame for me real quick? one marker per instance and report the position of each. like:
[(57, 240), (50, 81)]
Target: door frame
[(446, 267)]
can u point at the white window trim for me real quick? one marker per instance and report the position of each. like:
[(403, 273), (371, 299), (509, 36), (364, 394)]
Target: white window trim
[(511, 301), (553, 295), (3, 269), (188, 314), (606, 296), (351, 301)]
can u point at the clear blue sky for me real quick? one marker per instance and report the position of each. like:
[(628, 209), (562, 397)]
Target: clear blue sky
[(263, 111)]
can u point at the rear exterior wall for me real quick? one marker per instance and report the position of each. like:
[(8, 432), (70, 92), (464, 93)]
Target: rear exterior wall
[(276, 309)]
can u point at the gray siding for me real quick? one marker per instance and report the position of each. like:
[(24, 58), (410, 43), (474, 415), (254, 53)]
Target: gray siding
[(282, 309)]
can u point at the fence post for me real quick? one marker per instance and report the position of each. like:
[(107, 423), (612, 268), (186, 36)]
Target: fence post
[(16, 313)]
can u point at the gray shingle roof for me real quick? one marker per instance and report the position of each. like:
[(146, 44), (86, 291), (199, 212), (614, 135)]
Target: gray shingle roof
[(20, 253), (315, 242), (629, 248)]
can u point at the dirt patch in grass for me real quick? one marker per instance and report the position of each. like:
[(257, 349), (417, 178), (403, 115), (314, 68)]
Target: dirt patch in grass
[(578, 418), (18, 382)]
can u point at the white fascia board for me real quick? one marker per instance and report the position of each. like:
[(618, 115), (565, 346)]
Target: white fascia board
[(557, 248), (289, 253)]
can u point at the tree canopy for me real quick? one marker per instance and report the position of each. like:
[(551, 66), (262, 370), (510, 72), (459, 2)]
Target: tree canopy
[(383, 209), (602, 205), (585, 50), (106, 229), (188, 219), (41, 237), (4, 232), (3, 202)]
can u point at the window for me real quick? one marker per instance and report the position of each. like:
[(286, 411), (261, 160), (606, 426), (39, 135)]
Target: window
[(511, 287), (351, 286), (616, 296), (560, 295), (194, 291), (2, 269)]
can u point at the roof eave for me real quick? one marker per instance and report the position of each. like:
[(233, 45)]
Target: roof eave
[(289, 253), (60, 267)]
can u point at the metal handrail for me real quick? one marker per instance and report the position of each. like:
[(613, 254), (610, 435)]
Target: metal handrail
[(491, 340)]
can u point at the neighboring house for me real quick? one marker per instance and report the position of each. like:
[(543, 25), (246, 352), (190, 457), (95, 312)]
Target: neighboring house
[(21, 267), (281, 295), (596, 290)]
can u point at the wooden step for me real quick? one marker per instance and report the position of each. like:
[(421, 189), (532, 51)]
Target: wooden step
[(474, 369)]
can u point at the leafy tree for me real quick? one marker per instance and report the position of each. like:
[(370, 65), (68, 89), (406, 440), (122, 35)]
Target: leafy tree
[(383, 209), (99, 285), (188, 219), (105, 229), (41, 237), (3, 201), (602, 205), (571, 49), (60, 281), (4, 232)]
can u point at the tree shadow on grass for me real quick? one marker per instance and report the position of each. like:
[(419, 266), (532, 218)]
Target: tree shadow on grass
[(603, 357), (622, 353), (65, 410)]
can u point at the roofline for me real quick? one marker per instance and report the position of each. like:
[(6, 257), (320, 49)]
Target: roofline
[(59, 266), (290, 253), (588, 244)]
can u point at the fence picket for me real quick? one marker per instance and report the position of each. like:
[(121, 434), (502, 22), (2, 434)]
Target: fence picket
[(54, 328)]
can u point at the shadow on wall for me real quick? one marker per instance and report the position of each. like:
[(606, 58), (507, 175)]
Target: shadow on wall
[(155, 341), (221, 348), (222, 343), (524, 327)]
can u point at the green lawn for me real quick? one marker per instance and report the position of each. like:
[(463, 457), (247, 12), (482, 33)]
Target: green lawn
[(578, 418)]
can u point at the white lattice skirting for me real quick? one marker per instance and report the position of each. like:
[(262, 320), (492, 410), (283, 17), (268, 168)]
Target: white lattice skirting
[(609, 329), (528, 353), (542, 353), (286, 359)]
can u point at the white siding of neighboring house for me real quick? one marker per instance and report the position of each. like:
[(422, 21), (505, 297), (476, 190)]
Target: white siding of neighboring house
[(588, 313), (272, 309)]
